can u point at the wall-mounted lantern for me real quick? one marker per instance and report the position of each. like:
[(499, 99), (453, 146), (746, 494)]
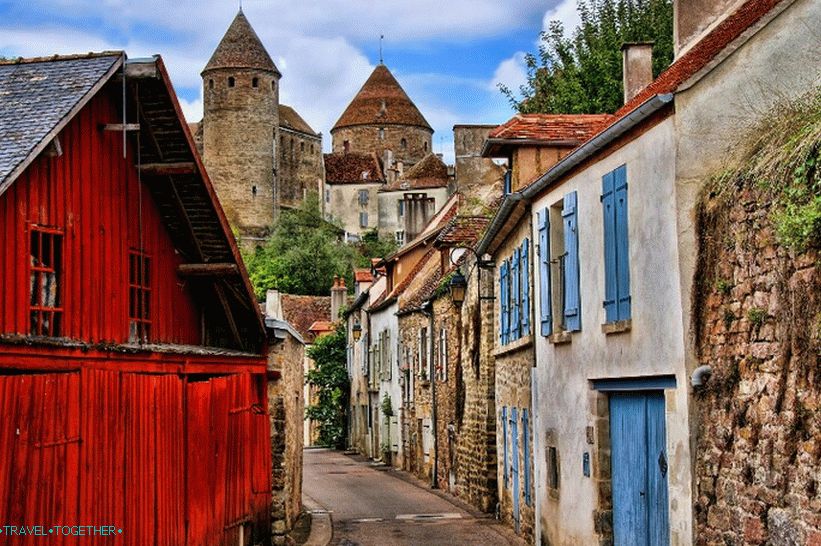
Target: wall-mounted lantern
[(356, 331)]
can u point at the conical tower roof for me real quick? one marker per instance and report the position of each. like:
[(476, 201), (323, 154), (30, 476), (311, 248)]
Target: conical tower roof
[(382, 101), (241, 48)]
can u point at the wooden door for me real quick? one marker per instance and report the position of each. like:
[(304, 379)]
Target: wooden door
[(639, 467)]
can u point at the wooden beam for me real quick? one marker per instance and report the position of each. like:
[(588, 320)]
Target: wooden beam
[(226, 307), (121, 127), (208, 270), (168, 169)]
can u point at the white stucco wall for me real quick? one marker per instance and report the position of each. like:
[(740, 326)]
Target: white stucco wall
[(344, 205), (653, 346), (381, 320)]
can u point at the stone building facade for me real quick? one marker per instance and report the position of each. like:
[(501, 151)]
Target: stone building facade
[(350, 196), (260, 155)]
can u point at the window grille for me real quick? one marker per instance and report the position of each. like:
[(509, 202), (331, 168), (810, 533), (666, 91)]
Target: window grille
[(139, 296), (45, 300)]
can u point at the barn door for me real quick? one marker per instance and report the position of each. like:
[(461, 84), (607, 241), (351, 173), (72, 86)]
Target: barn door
[(639, 466), (514, 464)]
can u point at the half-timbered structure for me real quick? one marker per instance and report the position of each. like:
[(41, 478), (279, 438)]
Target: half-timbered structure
[(132, 351)]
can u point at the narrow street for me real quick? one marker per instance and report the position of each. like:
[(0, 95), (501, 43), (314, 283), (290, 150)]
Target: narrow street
[(376, 507)]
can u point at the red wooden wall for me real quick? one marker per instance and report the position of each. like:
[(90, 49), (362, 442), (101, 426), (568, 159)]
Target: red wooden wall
[(168, 460), (93, 194)]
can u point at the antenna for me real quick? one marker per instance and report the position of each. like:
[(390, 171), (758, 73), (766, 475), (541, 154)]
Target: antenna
[(381, 37), (240, 6)]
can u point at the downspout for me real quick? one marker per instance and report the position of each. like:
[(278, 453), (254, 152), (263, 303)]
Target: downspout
[(427, 311)]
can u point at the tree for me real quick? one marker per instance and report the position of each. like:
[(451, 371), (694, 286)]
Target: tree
[(582, 74), (330, 376), (302, 255), (374, 246)]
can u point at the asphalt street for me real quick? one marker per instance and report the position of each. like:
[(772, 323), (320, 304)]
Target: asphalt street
[(372, 505)]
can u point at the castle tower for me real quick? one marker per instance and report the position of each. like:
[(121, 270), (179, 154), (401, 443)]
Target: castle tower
[(240, 128), (382, 118)]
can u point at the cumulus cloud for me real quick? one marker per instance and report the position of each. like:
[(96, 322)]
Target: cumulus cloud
[(511, 72), (565, 11)]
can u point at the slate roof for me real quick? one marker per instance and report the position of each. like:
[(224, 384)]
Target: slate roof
[(570, 128), (430, 172), (303, 311), (241, 48), (382, 101), (38, 96), (353, 168), (290, 119)]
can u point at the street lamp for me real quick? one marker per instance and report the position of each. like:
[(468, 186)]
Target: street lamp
[(457, 286), (357, 331)]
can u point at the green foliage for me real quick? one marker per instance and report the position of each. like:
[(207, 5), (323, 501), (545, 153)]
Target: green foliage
[(724, 286), (330, 377), (756, 316), (387, 406), (373, 246), (798, 219), (582, 73)]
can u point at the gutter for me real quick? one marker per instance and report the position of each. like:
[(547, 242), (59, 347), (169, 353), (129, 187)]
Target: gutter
[(573, 160)]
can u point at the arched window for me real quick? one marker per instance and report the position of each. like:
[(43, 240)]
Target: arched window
[(255, 82), (273, 86), (403, 144), (230, 81), (301, 146)]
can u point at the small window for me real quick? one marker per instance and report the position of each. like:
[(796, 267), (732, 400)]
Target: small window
[(139, 296), (508, 182), (231, 81), (403, 144), (363, 197), (363, 219), (46, 257), (327, 196), (553, 469), (210, 84), (346, 146), (425, 146), (423, 353), (443, 354), (254, 191), (312, 148), (400, 237), (381, 133), (401, 205), (255, 82), (273, 86), (301, 146)]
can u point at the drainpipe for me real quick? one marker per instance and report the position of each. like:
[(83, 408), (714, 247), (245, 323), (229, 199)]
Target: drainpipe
[(428, 308)]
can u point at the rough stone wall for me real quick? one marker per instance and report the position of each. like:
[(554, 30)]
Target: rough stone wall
[(757, 320), (300, 167), (417, 411), (450, 393), (238, 129), (514, 363), (478, 179), (286, 409), (365, 139)]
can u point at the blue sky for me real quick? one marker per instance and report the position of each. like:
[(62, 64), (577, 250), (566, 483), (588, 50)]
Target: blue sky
[(447, 54)]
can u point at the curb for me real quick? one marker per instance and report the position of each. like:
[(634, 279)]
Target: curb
[(321, 523)]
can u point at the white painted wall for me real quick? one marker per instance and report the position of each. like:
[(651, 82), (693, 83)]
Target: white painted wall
[(381, 320), (654, 345)]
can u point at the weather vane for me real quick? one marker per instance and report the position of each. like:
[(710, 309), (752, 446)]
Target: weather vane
[(381, 37)]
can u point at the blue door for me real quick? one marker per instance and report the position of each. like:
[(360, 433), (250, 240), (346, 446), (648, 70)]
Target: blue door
[(514, 470), (639, 467)]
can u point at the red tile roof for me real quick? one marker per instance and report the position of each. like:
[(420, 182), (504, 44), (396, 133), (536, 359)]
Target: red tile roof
[(321, 326), (241, 48), (381, 101), (430, 172), (567, 128), (290, 119), (353, 168), (363, 275), (303, 311), (463, 231)]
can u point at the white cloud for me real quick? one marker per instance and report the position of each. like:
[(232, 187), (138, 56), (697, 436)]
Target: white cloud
[(191, 109), (511, 72), (565, 12)]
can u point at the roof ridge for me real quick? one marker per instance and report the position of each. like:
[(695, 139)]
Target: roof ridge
[(68, 57)]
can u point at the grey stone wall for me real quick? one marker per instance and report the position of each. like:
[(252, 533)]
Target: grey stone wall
[(301, 168), (366, 139)]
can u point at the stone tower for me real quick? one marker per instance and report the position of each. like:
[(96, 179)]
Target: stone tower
[(240, 129), (382, 118)]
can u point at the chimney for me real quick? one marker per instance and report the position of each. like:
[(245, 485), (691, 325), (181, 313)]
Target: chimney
[(637, 67), (692, 18), (273, 305), (338, 295)]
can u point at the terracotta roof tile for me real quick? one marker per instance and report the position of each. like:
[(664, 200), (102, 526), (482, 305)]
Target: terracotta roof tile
[(568, 128), (321, 326), (303, 311), (353, 168), (290, 119), (381, 101), (363, 275), (463, 231), (430, 172), (241, 48)]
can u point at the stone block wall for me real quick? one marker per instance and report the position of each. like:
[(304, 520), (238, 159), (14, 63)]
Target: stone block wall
[(301, 167), (365, 139), (450, 393), (416, 412), (286, 409), (757, 320)]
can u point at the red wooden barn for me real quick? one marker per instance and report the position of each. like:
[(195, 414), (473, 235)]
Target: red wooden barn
[(132, 367)]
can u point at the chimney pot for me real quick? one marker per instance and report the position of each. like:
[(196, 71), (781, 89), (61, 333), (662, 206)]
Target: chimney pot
[(637, 67)]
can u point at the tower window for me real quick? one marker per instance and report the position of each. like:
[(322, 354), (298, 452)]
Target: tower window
[(301, 146), (273, 86), (403, 144), (210, 84), (255, 82), (346, 146), (381, 133), (231, 81), (254, 191), (425, 146)]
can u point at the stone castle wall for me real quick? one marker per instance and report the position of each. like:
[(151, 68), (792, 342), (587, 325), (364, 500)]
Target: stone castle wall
[(365, 139), (301, 167), (238, 130), (757, 318), (450, 394)]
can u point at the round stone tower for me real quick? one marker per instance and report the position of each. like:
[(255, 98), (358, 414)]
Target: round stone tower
[(382, 118), (239, 128)]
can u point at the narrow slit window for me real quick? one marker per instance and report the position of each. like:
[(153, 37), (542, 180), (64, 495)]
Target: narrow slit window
[(45, 300), (230, 81), (139, 296), (255, 82)]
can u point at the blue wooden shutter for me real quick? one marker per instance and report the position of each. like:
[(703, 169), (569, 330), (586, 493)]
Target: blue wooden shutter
[(504, 445), (525, 267), (503, 303), (526, 452), (622, 251), (608, 199), (515, 290), (546, 313), (572, 299)]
